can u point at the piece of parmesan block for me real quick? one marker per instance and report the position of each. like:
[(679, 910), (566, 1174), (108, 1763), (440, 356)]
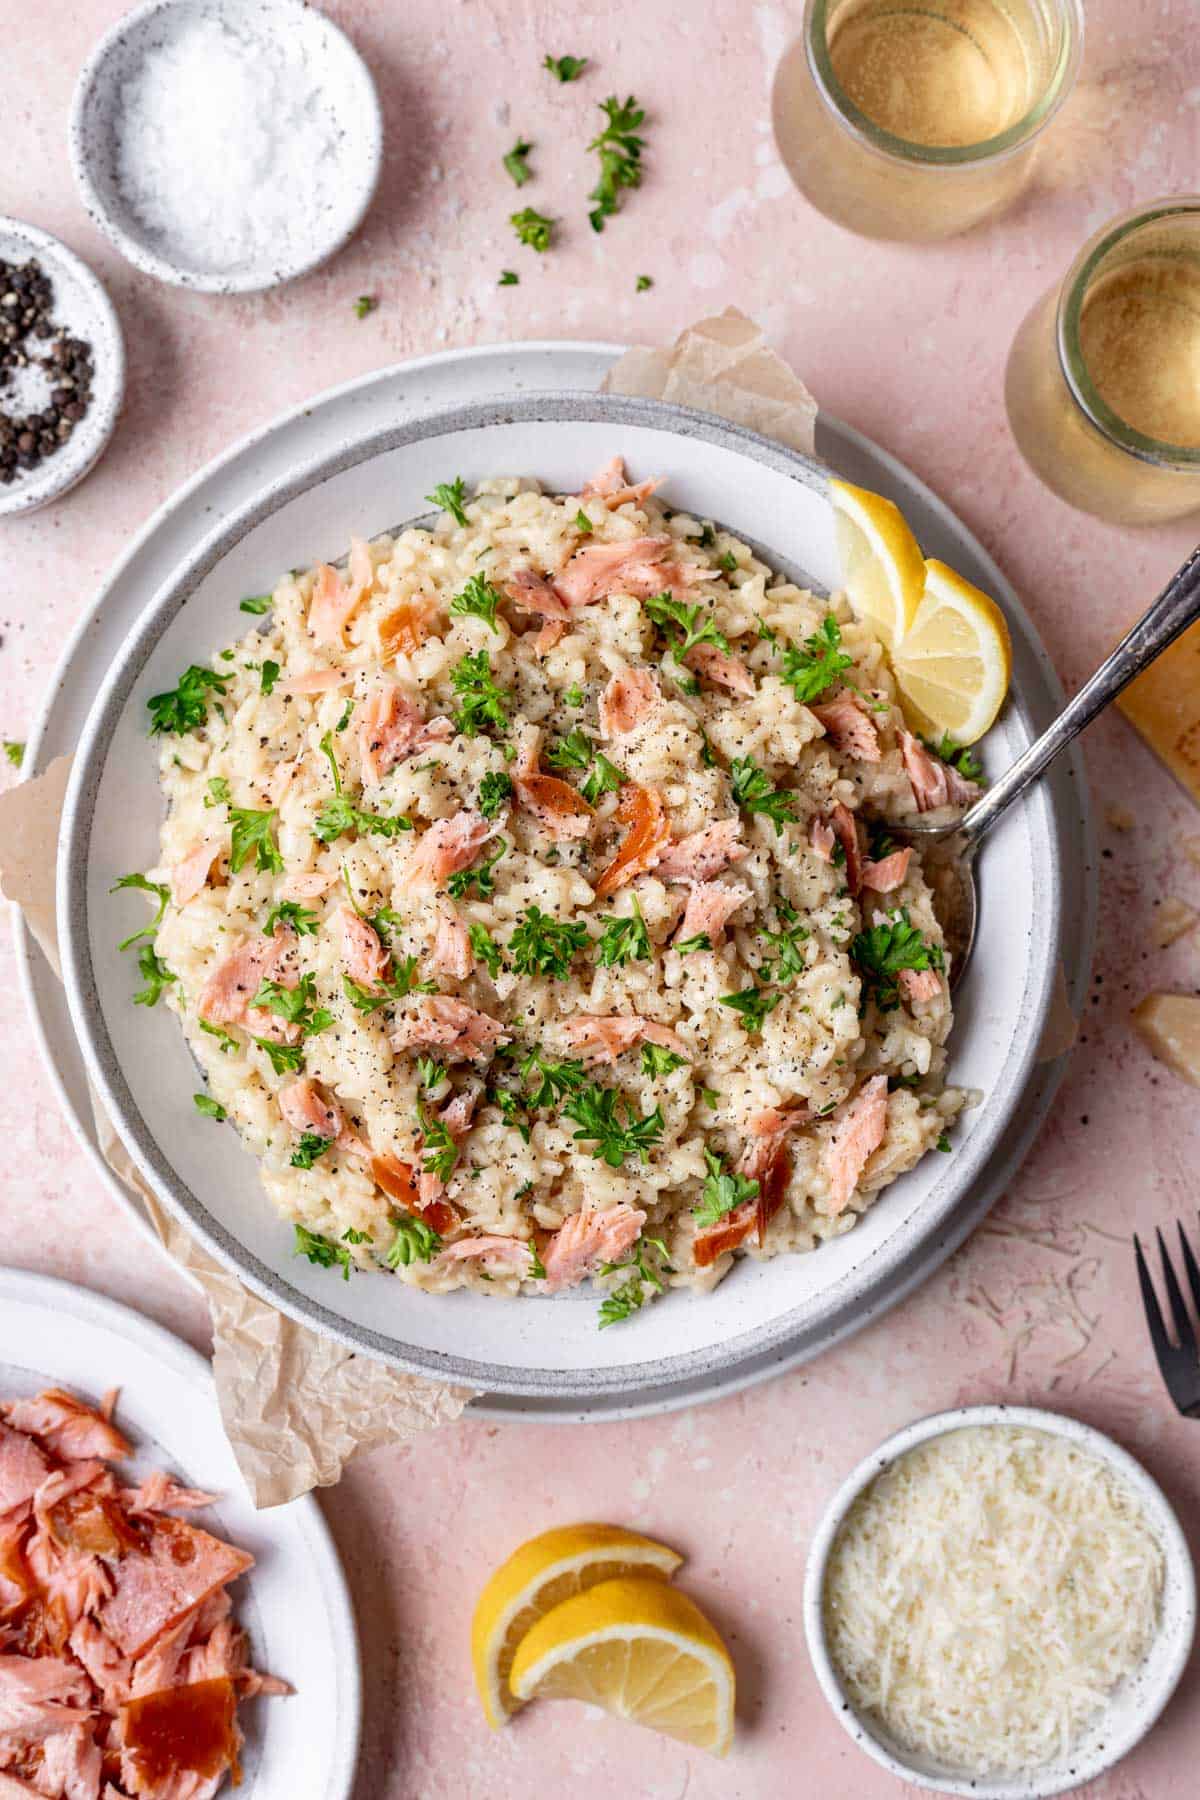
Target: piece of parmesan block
[(1172, 917), (1163, 704), (1170, 1025)]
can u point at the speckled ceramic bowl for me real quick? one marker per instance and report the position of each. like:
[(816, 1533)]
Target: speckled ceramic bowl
[(83, 306), (1137, 1703), (348, 95)]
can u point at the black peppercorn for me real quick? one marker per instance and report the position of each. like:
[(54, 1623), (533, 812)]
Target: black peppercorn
[(26, 306)]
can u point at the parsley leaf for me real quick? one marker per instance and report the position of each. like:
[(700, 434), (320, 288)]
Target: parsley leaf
[(339, 815), (402, 983), (658, 1060), (14, 751), (533, 228), (642, 283), (218, 792), (308, 1149), (809, 671), (289, 912), (268, 675), (226, 1042), (620, 150), (572, 752), (603, 778), (884, 951), (554, 1080), (479, 876), (163, 895), (482, 703), (323, 1252), (789, 946), (285, 1059), (451, 497), (595, 1110), (686, 946), (347, 710), (414, 1241), (509, 278), (366, 303), (511, 1110), (573, 696), (623, 940), (727, 561), (212, 1109), (495, 793), (632, 1293), (753, 1003), (753, 792), (542, 945), (723, 1191), (944, 1144), (252, 834), (155, 973), (479, 599), (958, 756), (297, 1005), (485, 948), (666, 611), (566, 68), (439, 1153), (516, 164), (583, 524), (185, 707)]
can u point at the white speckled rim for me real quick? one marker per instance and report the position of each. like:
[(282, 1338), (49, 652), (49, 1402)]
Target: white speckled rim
[(1138, 1702), (90, 137), (933, 1223), (81, 303)]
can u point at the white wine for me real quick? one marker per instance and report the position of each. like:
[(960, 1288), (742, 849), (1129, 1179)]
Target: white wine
[(948, 73), (1139, 335)]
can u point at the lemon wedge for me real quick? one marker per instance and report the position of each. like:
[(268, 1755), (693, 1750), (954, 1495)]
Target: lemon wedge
[(546, 1570), (640, 1649), (883, 571), (955, 661)]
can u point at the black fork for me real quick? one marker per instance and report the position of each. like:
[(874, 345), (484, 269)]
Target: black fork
[(1180, 1362)]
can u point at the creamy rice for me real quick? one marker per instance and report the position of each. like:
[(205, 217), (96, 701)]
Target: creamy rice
[(521, 1172)]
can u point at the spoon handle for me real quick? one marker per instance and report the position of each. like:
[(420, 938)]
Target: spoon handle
[(1177, 607)]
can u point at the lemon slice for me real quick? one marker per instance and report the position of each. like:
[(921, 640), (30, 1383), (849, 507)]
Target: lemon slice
[(954, 664), (546, 1570), (640, 1649), (883, 571)]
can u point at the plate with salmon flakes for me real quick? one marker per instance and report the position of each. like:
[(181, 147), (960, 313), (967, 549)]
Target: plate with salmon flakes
[(156, 1635), (497, 934)]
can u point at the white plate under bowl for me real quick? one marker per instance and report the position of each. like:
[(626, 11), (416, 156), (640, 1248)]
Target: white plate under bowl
[(1131, 1710), (294, 1603), (139, 1060)]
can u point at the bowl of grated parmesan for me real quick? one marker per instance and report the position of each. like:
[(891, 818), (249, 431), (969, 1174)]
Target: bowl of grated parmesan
[(999, 1602)]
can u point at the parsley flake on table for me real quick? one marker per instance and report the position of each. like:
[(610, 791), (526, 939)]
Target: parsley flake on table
[(185, 706), (479, 876), (753, 1003), (623, 940), (958, 756), (724, 1190), (290, 913), (602, 778), (310, 1147), (696, 624), (296, 1005), (597, 1111), (366, 303), (495, 793), (884, 951), (481, 702), (657, 1060), (753, 792), (620, 150), (479, 600), (516, 162), (533, 228), (572, 752), (565, 68), (156, 975), (509, 278), (815, 667), (451, 497), (14, 751), (212, 1109), (414, 1241), (542, 945), (642, 283), (486, 949), (322, 1251), (154, 888), (253, 835)]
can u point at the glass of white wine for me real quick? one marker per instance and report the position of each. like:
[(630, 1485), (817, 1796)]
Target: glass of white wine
[(1103, 379), (915, 119)]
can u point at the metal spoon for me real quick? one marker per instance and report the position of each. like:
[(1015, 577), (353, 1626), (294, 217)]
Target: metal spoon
[(949, 850)]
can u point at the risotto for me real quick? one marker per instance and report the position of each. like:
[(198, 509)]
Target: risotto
[(527, 899)]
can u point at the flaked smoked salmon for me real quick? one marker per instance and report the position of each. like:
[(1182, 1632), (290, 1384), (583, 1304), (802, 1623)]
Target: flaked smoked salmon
[(849, 728), (858, 1131), (587, 1239), (934, 782), (439, 1022), (364, 957), (448, 846), (601, 1039), (710, 906), (391, 729), (627, 701), (703, 854)]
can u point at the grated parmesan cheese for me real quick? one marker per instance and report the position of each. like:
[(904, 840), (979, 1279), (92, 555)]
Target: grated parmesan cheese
[(987, 1593)]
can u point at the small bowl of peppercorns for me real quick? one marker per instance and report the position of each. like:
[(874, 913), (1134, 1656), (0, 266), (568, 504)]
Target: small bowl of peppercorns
[(62, 368)]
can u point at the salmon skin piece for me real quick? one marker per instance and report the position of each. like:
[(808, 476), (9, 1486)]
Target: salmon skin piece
[(642, 811)]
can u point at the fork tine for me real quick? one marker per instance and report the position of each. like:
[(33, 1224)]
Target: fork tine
[(1154, 1318), (1191, 1266), (1183, 1325)]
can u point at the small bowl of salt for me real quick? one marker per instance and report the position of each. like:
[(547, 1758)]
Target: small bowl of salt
[(226, 145)]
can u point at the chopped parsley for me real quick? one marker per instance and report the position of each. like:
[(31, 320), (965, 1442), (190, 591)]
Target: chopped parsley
[(542, 945), (495, 793), (516, 162), (658, 1060), (479, 876), (958, 756), (414, 1241), (296, 1005), (753, 792), (285, 1059), (701, 941), (268, 675), (724, 1190), (289, 912), (572, 752), (944, 1144), (439, 1152), (226, 1042), (573, 696), (552, 1080), (753, 1003), (451, 497), (156, 975), (430, 1073), (218, 792), (308, 1149), (631, 1294), (509, 278), (667, 611), (620, 150), (14, 751), (185, 707), (809, 671), (565, 68), (479, 599), (788, 944), (212, 1109), (642, 283), (481, 702), (486, 949), (884, 951), (623, 940), (386, 920), (594, 1109), (158, 891), (347, 710), (366, 303), (602, 778), (402, 983), (339, 814), (583, 524), (533, 228), (322, 1251), (253, 835), (512, 1111)]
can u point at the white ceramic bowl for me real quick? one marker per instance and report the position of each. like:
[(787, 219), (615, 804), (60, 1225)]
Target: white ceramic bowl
[(84, 308), (139, 1061), (1135, 1706), (348, 93)]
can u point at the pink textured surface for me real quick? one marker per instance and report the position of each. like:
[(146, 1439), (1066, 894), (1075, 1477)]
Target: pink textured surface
[(907, 344)]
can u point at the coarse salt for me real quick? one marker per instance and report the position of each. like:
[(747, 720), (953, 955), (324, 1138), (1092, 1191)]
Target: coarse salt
[(227, 146)]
